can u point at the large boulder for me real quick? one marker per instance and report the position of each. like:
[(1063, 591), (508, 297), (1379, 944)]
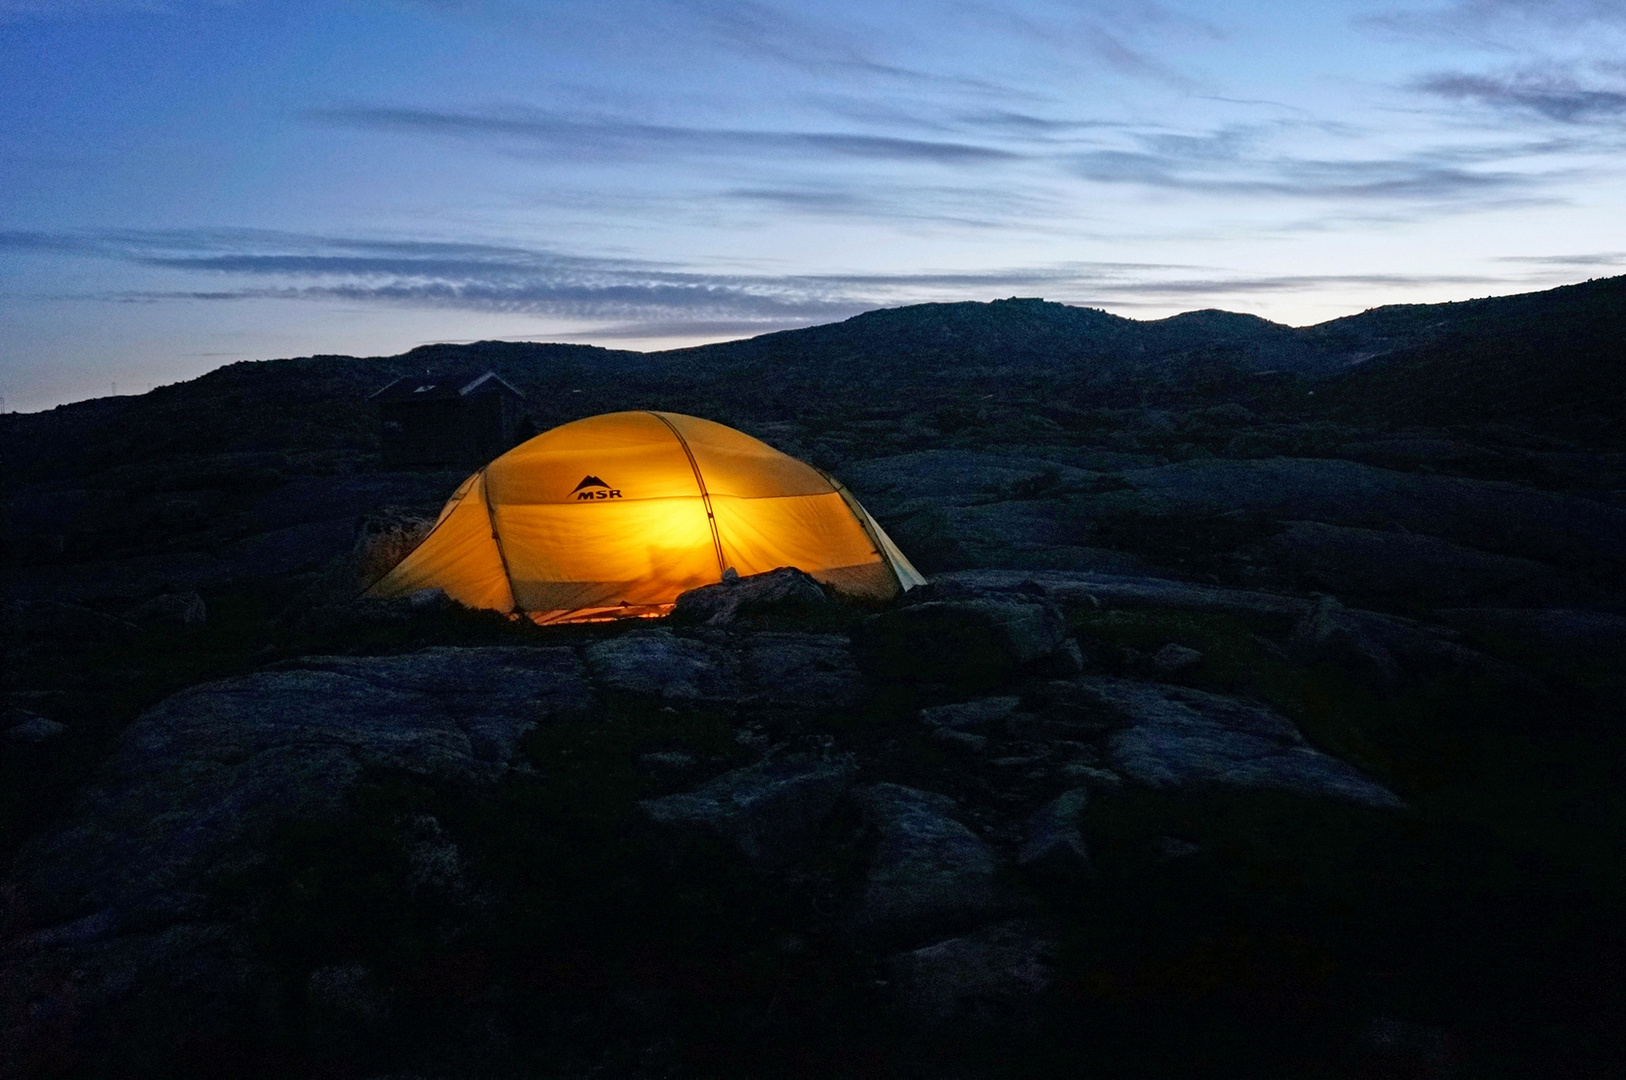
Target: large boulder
[(1379, 648), (1331, 633), (930, 874), (1173, 658), (973, 644), (22, 726), (660, 663), (199, 781), (781, 592), (801, 670), (1061, 709), (1177, 738), (769, 811), (1053, 844)]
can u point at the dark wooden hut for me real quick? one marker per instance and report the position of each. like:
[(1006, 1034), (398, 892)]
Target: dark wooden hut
[(439, 420)]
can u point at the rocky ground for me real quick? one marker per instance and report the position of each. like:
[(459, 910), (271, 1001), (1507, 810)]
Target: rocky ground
[(1224, 741)]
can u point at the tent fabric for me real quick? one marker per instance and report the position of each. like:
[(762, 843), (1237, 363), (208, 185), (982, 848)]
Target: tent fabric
[(615, 515)]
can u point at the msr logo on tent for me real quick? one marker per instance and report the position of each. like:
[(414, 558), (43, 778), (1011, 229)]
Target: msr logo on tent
[(592, 487)]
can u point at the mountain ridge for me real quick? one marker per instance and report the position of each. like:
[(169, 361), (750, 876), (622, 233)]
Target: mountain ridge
[(1550, 361)]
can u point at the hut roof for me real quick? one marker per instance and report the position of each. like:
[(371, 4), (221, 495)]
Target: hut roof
[(441, 387)]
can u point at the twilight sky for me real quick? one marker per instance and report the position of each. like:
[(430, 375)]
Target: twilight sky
[(184, 183)]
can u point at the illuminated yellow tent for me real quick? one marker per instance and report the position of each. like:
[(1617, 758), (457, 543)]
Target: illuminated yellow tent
[(616, 515)]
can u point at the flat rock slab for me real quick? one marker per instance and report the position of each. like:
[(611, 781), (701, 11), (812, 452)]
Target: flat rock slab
[(1562, 627), (198, 779), (660, 663), (993, 529), (494, 693), (769, 811), (973, 716), (801, 670), (1180, 738), (1117, 591), (1387, 562), (957, 477), (973, 643), (930, 874), (1537, 524)]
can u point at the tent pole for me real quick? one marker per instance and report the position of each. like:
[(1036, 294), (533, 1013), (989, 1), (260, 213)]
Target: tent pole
[(705, 496), (496, 538), (855, 508)]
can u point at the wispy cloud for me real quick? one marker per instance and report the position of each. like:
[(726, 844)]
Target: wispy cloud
[(1127, 39), (435, 274), (623, 299), (1236, 286), (604, 138), (1542, 61), (1601, 258), (1240, 161), (439, 274), (790, 38), (983, 206), (1236, 160), (1498, 24), (1551, 94), (275, 252)]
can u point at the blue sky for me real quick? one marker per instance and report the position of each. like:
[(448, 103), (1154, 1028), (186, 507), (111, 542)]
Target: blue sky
[(184, 183)]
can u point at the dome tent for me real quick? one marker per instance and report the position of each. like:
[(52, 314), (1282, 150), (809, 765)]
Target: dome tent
[(615, 515)]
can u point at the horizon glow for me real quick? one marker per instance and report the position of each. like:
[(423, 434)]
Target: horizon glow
[(188, 183)]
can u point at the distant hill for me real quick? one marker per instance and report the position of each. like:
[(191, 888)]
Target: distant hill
[(1552, 362), (934, 343), (310, 404)]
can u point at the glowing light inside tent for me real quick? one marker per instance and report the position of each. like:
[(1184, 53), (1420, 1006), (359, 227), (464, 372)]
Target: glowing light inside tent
[(608, 517)]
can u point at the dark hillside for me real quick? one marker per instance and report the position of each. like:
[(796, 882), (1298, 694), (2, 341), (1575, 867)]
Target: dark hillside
[(1553, 362), (1089, 356), (1263, 715), (1266, 344), (312, 404)]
